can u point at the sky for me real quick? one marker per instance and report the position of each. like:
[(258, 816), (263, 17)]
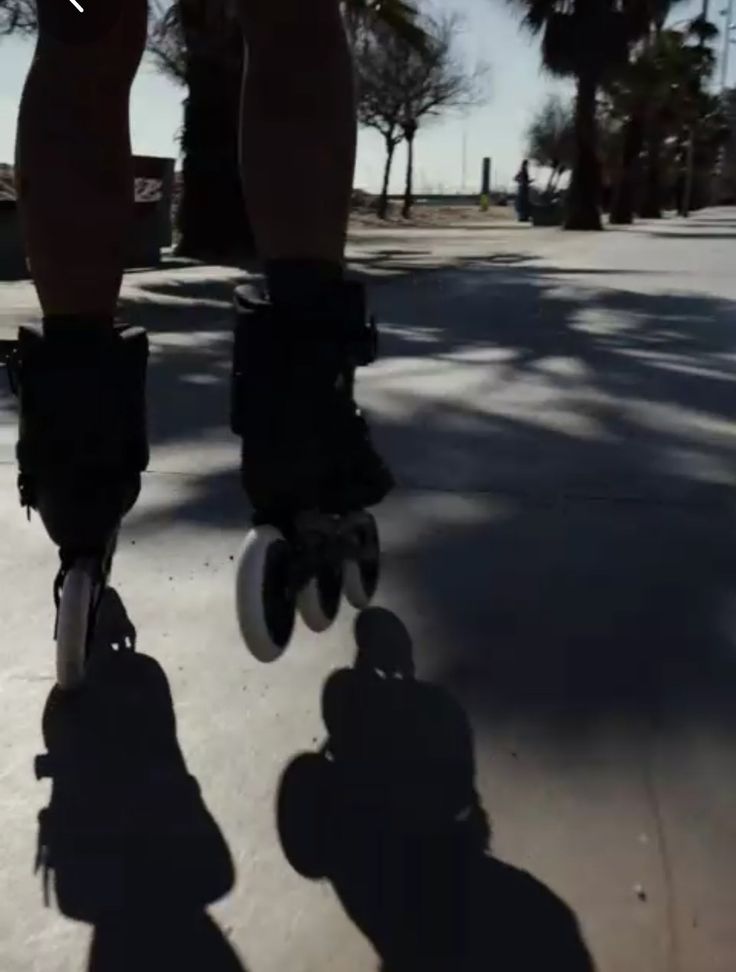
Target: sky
[(449, 151)]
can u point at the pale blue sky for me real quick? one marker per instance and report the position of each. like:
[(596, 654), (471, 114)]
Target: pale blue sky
[(516, 85)]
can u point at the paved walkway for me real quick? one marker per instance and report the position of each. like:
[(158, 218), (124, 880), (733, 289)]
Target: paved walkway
[(560, 568)]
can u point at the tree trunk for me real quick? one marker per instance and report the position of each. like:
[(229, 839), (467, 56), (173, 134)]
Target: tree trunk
[(409, 187), (212, 220), (622, 210), (583, 211), (550, 185), (651, 205), (383, 198)]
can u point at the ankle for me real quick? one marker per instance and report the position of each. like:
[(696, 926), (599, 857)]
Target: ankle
[(301, 280), (76, 325)]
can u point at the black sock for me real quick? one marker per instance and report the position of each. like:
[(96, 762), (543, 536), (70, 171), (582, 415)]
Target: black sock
[(301, 280)]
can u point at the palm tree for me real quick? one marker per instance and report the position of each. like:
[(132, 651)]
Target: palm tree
[(590, 41), (656, 101)]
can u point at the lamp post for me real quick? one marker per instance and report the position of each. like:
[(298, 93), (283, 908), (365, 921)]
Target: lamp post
[(690, 165), (728, 29)]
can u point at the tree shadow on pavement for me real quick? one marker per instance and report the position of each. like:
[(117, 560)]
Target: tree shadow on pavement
[(126, 836), (599, 419), (564, 525), (612, 356), (388, 812), (690, 235)]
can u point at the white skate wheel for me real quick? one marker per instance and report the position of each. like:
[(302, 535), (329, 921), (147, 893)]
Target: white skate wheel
[(319, 600), (72, 626), (265, 604), (361, 573)]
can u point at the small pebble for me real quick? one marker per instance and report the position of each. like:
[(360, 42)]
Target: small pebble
[(640, 892)]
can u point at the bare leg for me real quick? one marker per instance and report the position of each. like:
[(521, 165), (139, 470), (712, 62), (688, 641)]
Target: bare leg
[(305, 443), (307, 459), (82, 437), (298, 128), (73, 153)]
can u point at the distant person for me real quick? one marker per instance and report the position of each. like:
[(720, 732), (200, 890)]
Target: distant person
[(523, 182), (680, 186)]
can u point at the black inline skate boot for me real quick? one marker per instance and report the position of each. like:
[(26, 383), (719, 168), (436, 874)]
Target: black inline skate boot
[(82, 447), (309, 467)]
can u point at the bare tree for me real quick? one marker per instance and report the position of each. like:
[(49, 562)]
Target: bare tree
[(17, 15), (381, 59), (436, 82), (399, 16), (402, 85), (551, 139), (166, 40)]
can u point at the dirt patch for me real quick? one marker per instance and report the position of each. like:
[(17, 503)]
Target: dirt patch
[(439, 217)]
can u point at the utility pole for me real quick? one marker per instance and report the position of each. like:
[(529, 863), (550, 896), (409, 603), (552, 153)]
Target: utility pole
[(688, 194), (465, 162), (485, 184)]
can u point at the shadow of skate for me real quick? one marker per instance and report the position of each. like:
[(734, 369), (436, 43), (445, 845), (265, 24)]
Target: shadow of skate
[(114, 631), (126, 836), (387, 810)]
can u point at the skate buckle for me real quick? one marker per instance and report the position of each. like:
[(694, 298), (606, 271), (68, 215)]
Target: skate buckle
[(365, 349)]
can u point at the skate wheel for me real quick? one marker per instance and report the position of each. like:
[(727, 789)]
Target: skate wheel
[(72, 627), (265, 602), (362, 572), (319, 600)]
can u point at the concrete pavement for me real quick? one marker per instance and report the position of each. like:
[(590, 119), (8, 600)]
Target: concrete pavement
[(559, 560)]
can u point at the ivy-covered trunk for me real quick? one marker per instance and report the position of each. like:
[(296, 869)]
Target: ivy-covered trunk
[(651, 204), (622, 209), (584, 197), (212, 219)]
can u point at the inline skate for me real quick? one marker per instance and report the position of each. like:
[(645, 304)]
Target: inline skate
[(307, 463), (81, 449)]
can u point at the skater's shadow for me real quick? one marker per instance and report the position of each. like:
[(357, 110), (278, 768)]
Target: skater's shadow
[(387, 810), (126, 842)]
